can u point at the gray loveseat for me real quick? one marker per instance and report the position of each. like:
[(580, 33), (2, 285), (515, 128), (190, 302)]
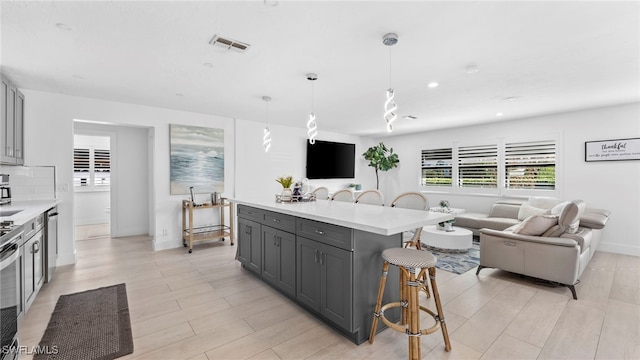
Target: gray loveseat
[(553, 244)]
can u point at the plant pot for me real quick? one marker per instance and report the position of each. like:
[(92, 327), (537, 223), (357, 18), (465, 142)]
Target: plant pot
[(287, 194)]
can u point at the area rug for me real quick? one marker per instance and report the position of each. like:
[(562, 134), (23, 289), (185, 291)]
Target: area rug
[(89, 325), (458, 263)]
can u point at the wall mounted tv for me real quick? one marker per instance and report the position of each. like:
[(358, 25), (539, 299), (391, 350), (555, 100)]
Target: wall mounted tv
[(330, 160)]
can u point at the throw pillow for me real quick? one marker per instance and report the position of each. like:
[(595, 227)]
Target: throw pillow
[(557, 210), (527, 210), (536, 225)]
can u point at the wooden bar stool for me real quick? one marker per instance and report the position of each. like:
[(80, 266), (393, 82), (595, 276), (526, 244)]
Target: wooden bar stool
[(407, 260)]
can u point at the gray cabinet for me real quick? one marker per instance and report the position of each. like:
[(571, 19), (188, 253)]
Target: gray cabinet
[(33, 260), (279, 259), (324, 281), (249, 244), (11, 123)]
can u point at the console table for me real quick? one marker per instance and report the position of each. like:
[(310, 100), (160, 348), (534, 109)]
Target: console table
[(191, 234)]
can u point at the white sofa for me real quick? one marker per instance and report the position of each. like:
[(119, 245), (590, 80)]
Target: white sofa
[(553, 244)]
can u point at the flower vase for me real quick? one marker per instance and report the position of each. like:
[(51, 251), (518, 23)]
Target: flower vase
[(448, 226), (286, 194)]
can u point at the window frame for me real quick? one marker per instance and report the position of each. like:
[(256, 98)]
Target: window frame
[(92, 186)]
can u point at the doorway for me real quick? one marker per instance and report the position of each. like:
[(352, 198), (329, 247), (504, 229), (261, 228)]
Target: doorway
[(92, 185)]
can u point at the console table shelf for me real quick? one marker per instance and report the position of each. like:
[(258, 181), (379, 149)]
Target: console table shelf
[(191, 234)]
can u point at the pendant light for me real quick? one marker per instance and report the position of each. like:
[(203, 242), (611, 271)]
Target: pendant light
[(390, 105), (312, 127), (266, 139)]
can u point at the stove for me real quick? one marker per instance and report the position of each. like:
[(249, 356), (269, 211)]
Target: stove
[(6, 226)]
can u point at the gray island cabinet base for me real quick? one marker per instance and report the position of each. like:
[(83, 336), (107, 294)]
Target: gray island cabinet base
[(332, 271)]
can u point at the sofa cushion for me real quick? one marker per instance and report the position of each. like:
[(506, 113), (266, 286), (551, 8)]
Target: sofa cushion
[(527, 210), (496, 223), (535, 225), (504, 209), (543, 202), (569, 218), (594, 218), (470, 220)]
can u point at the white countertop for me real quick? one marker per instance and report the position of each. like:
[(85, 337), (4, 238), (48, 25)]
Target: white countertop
[(381, 220), (27, 210)]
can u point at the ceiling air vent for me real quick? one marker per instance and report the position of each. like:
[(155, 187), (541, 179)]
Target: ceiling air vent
[(229, 44)]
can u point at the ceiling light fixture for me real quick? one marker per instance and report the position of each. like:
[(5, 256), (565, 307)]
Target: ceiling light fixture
[(433, 84), (499, 114), (312, 127), (390, 106), (266, 139), (472, 69)]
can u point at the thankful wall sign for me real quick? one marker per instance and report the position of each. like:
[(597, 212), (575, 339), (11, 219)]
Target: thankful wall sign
[(612, 150)]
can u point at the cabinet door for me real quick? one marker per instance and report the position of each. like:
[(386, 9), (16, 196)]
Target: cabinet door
[(308, 270), (335, 286), (249, 252), (29, 285), (287, 262), (38, 260), (19, 128), (7, 121), (270, 256)]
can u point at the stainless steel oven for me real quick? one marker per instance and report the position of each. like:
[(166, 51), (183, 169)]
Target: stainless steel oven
[(9, 290)]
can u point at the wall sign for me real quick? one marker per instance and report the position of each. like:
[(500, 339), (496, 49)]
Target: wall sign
[(612, 150)]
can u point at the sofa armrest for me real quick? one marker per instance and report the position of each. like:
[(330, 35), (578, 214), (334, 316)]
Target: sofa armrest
[(556, 241), (594, 218)]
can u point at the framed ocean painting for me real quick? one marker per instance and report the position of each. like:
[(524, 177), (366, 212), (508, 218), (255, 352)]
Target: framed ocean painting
[(196, 159)]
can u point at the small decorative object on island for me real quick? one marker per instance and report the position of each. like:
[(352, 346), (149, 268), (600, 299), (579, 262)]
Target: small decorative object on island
[(381, 158), (286, 182), (444, 204)]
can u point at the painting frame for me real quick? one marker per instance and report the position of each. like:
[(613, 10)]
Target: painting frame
[(196, 159), (627, 149)]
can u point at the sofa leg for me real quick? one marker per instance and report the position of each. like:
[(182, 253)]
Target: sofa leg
[(573, 291), (480, 267)]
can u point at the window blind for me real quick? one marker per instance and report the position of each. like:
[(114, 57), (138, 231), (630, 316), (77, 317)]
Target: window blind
[(478, 166), (437, 167), (530, 165), (81, 166)]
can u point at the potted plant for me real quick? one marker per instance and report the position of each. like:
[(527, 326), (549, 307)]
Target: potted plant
[(381, 158), (286, 182)]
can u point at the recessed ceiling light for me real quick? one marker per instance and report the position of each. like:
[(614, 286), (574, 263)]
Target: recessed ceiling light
[(207, 64), (499, 114), (62, 26), (433, 84), (510, 98), (472, 69)]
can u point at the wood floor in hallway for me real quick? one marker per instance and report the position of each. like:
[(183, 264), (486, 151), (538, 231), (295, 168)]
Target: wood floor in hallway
[(205, 306)]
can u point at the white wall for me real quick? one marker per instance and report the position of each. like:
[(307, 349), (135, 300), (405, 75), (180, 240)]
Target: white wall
[(256, 170), (49, 140), (613, 185)]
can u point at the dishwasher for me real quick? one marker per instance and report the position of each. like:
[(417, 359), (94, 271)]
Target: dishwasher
[(51, 243)]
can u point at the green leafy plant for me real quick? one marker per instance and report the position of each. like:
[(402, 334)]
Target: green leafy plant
[(285, 181), (381, 158)]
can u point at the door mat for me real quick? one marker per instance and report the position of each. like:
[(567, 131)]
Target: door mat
[(89, 325), (456, 262)]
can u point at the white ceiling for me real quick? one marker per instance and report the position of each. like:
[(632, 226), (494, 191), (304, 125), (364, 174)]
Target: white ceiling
[(550, 56)]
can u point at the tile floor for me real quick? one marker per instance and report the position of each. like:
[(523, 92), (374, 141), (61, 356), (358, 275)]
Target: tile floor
[(205, 306)]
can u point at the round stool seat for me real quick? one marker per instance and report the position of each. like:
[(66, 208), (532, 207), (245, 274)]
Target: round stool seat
[(409, 258)]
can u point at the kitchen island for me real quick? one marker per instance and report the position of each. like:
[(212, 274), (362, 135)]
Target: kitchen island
[(325, 255)]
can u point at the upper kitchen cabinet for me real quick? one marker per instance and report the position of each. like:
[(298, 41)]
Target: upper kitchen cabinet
[(12, 124)]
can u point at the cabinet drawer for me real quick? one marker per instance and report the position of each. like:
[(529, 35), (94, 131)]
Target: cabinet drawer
[(280, 221), (249, 212), (329, 234), (32, 226)]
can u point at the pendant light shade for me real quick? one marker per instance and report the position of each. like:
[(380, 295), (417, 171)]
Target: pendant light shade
[(390, 105), (266, 138), (312, 126)]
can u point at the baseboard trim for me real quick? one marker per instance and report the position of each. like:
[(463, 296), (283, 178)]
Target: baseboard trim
[(619, 249)]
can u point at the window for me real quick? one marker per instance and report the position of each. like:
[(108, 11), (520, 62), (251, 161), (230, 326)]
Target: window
[(506, 167), (478, 166), (530, 165), (91, 168), (437, 165)]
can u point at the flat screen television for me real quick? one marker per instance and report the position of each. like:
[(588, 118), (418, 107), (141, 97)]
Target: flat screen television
[(330, 160)]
